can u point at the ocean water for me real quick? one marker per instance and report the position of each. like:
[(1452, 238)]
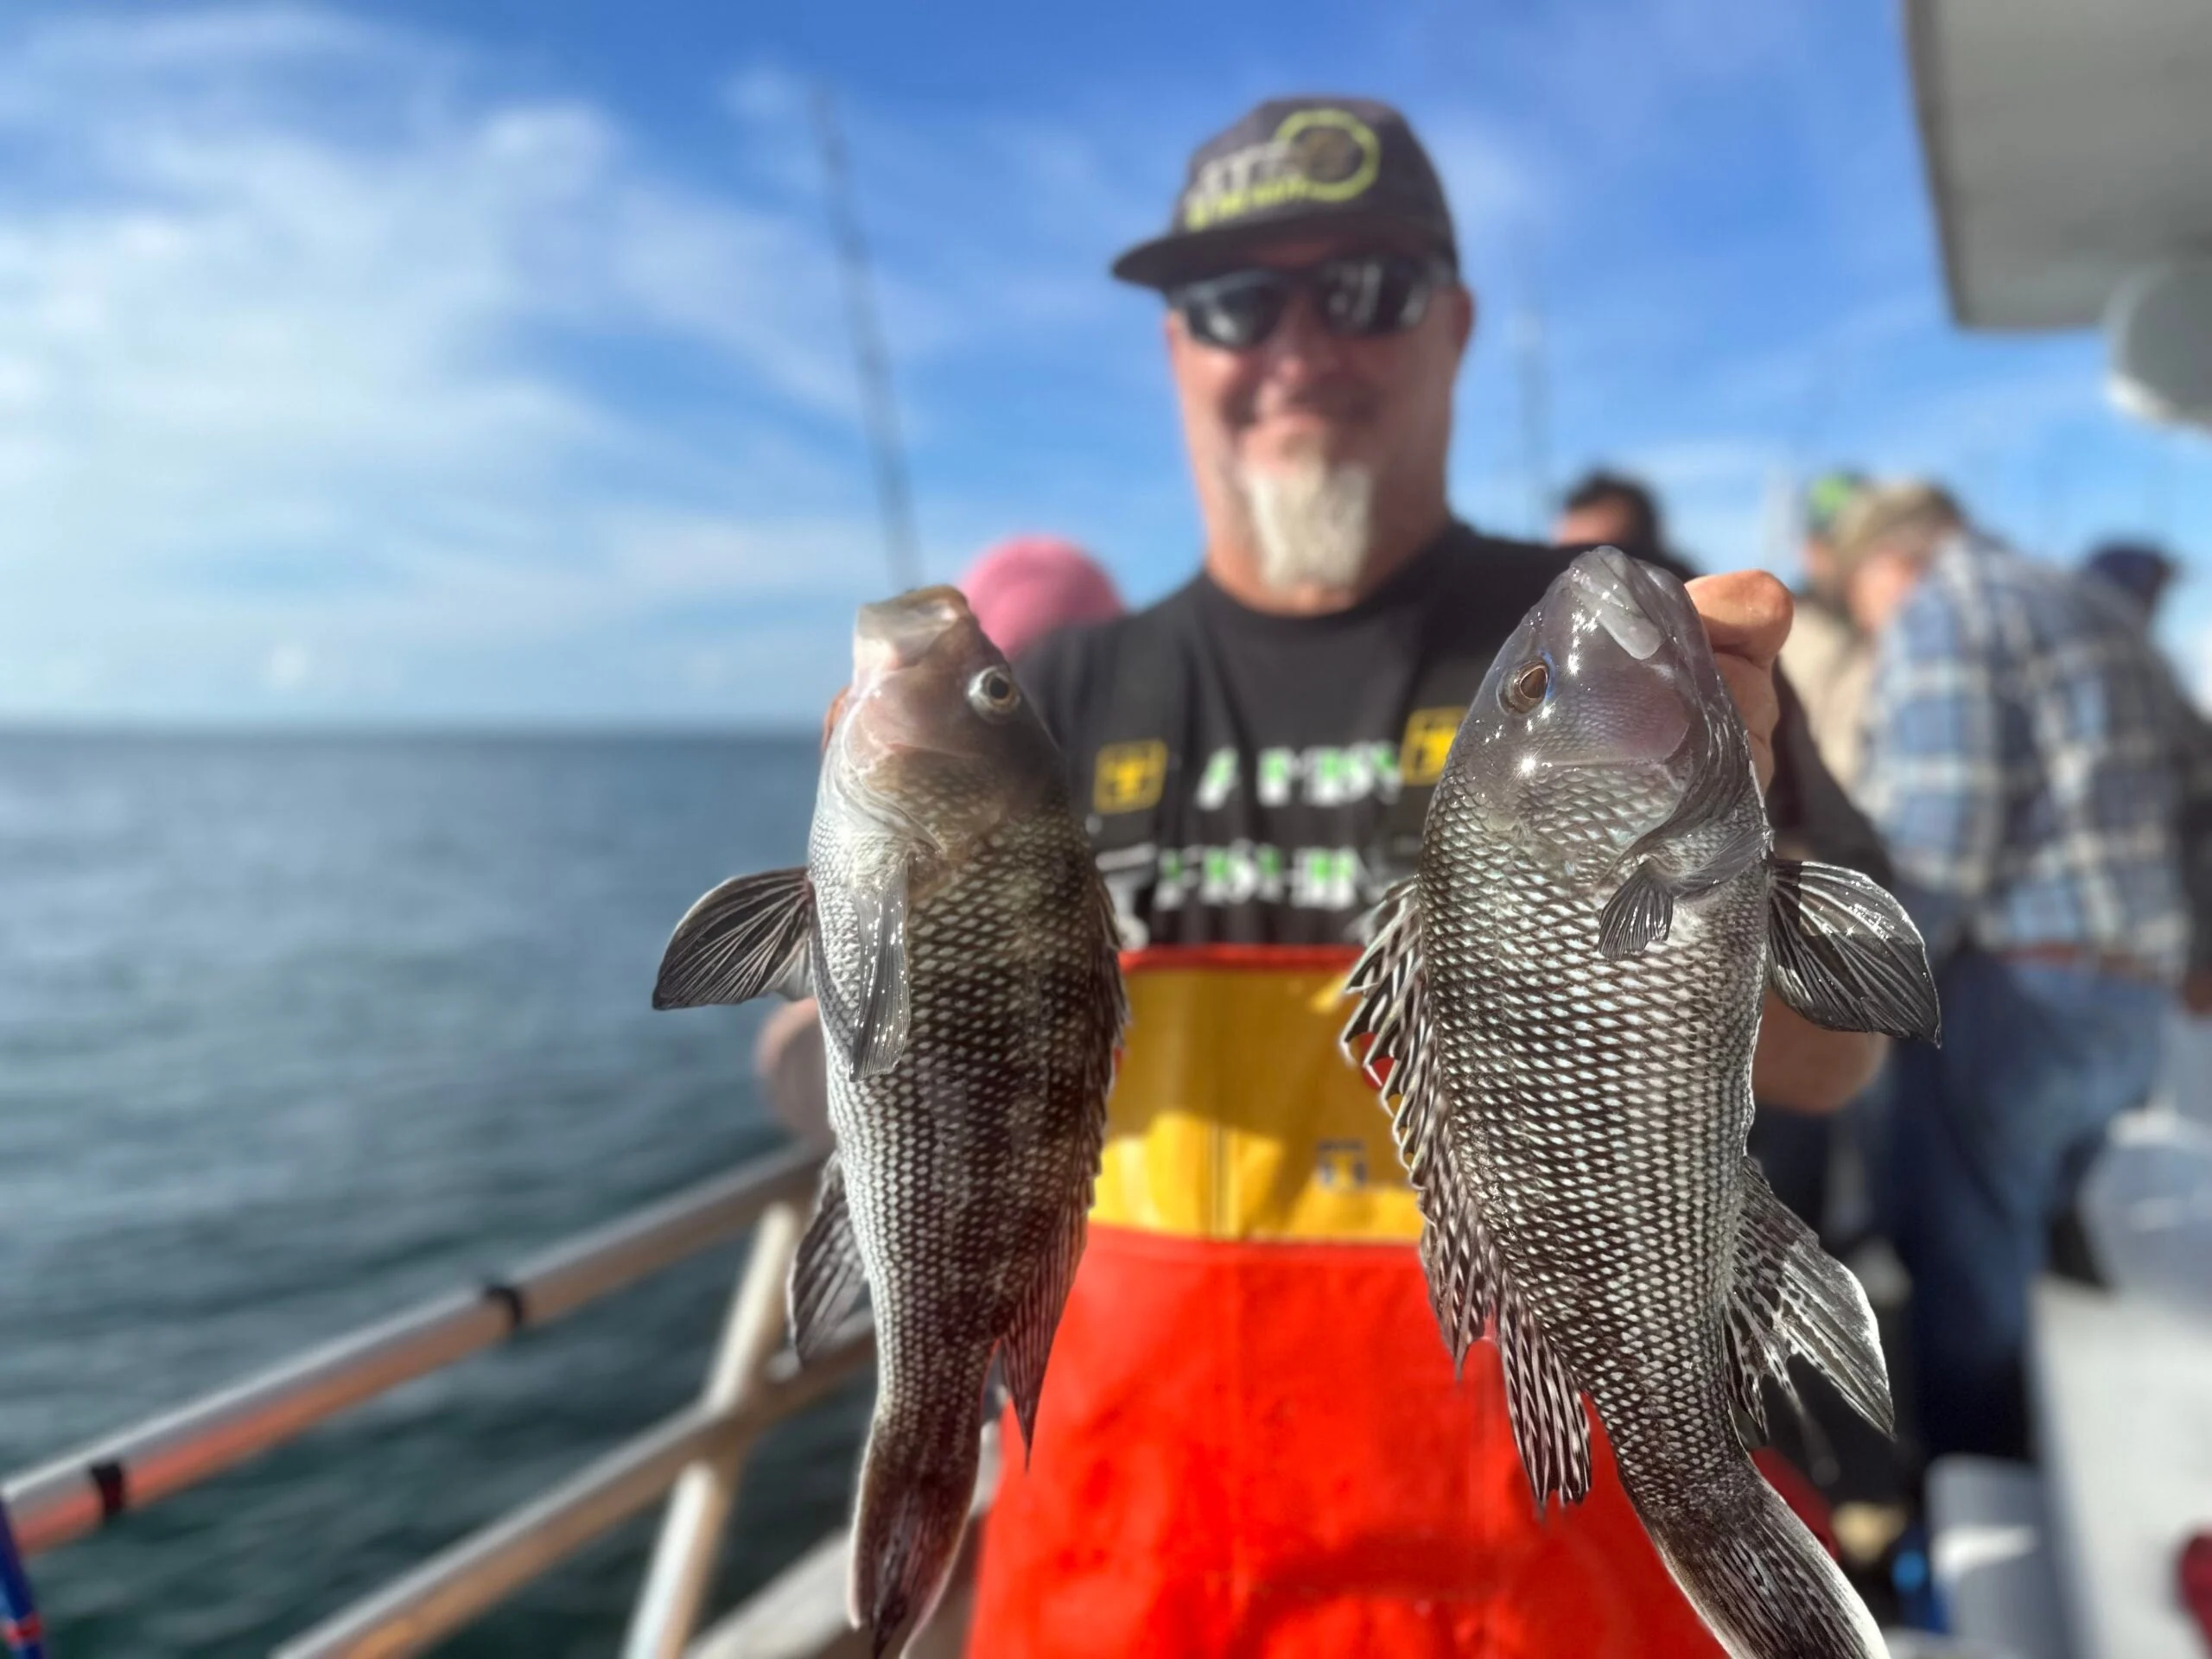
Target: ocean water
[(294, 1030)]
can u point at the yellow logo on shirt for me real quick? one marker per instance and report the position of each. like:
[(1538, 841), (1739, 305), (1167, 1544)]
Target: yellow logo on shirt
[(1428, 741), (1129, 776)]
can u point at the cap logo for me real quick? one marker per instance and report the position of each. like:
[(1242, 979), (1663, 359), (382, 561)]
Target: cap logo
[(1315, 155)]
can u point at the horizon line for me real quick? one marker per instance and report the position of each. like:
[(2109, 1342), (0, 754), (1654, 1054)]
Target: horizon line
[(130, 725)]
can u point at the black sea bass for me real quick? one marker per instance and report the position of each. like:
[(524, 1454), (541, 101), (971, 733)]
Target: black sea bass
[(952, 925), (1560, 1008)]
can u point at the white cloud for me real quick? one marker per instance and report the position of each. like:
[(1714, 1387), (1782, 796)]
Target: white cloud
[(298, 323), (337, 374)]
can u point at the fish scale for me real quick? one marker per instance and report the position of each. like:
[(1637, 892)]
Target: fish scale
[(962, 1164), (1560, 1007), (961, 945)]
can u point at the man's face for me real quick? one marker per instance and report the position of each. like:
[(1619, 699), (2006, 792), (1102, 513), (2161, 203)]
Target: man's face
[(1303, 397), (1817, 556), (1877, 589)]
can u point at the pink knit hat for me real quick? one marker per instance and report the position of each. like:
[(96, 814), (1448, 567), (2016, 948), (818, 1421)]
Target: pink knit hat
[(1023, 588)]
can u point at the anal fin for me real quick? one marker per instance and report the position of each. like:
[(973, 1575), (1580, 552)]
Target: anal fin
[(1792, 1297), (827, 1279), (1028, 1343), (1545, 1406)]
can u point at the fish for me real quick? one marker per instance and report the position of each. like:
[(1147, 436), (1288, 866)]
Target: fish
[(1559, 1007), (964, 952)]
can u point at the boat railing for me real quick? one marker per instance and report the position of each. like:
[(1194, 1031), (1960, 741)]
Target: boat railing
[(697, 1453)]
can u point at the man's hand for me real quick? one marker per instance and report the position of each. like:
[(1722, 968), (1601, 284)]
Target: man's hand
[(1799, 1065), (1747, 614)]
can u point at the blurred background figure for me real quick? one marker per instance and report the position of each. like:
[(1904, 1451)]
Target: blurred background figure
[(1619, 512), (1020, 589), (2142, 570), (1828, 659), (2021, 763), (1025, 587)]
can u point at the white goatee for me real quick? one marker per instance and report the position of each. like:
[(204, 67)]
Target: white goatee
[(1313, 521)]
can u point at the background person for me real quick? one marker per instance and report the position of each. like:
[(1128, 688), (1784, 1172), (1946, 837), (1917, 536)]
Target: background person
[(1251, 1440), (2142, 570), (1613, 510), (1828, 657), (2021, 765)]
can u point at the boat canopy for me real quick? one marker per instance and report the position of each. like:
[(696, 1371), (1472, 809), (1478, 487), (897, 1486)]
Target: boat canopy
[(2066, 149)]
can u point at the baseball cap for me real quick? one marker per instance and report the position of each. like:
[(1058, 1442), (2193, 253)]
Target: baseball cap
[(1882, 511), (1333, 165), (1826, 498), (2140, 569)]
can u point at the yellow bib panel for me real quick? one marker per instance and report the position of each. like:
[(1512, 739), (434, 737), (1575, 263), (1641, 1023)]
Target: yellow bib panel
[(1235, 1115)]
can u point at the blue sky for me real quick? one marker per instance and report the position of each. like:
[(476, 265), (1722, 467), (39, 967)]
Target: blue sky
[(484, 362)]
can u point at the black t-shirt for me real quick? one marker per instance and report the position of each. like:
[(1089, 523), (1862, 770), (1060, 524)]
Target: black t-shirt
[(1254, 779)]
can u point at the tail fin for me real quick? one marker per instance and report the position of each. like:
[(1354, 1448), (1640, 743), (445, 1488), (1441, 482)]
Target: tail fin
[(916, 1482), (1761, 1582)]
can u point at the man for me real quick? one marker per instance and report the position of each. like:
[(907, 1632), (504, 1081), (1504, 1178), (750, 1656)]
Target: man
[(1251, 1441), (1607, 509), (1827, 659), (2142, 570), (2021, 763)]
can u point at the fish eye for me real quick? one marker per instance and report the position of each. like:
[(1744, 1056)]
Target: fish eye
[(993, 693), (1525, 687)]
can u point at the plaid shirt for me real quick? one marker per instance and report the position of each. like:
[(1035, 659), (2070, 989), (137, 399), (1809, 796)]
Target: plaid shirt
[(2030, 760)]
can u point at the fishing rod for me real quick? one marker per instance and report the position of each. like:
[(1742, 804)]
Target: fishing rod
[(1533, 375), (894, 496), (20, 1628)]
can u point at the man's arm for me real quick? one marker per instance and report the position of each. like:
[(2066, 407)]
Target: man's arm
[(1797, 1064)]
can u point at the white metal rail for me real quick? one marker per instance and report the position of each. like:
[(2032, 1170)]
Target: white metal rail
[(751, 1386)]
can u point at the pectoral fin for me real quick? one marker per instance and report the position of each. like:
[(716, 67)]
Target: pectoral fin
[(1638, 914), (1642, 910), (870, 1016), (747, 937), (1845, 955)]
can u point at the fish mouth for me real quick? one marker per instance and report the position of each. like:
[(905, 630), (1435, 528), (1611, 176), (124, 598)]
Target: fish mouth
[(895, 634), (904, 707), (1606, 583)]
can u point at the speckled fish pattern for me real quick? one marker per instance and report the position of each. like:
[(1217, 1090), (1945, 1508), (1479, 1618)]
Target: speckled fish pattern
[(967, 1168), (1573, 1119)]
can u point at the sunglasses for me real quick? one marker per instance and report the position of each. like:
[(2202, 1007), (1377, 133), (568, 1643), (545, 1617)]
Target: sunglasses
[(1364, 296)]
